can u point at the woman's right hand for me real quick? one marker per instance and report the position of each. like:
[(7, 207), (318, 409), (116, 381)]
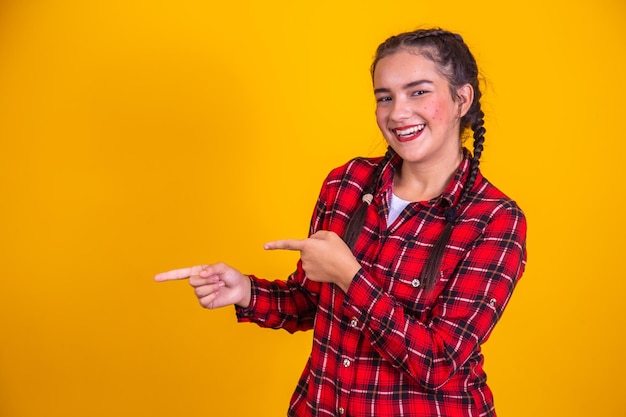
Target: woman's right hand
[(215, 285)]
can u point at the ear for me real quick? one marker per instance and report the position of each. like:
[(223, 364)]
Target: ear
[(465, 98)]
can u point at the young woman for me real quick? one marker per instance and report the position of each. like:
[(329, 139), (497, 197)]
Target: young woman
[(411, 257)]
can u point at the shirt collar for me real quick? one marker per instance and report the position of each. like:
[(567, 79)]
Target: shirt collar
[(450, 195)]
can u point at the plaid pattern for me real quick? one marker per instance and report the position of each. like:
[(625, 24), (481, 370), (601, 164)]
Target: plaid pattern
[(387, 347)]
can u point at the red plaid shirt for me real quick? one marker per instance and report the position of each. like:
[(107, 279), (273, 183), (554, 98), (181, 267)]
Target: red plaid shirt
[(387, 347)]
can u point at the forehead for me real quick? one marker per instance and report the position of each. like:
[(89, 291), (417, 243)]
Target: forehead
[(406, 65)]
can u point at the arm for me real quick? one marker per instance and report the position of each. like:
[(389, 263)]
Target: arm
[(463, 315), (279, 304), (287, 304), (276, 304), (290, 304)]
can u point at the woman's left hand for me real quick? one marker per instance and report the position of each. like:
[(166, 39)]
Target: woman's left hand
[(325, 257)]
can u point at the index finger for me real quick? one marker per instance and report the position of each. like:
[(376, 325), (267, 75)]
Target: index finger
[(176, 274), (287, 244)]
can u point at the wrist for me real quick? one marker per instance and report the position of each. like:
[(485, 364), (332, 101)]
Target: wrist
[(348, 275), (246, 295)]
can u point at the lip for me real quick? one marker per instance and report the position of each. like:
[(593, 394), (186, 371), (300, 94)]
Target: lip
[(408, 138)]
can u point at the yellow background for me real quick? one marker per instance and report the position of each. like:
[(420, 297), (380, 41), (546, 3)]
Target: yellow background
[(138, 136)]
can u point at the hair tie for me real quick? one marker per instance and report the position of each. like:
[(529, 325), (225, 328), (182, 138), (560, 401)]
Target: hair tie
[(367, 198), (450, 214)]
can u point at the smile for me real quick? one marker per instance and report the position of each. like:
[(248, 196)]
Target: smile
[(405, 134)]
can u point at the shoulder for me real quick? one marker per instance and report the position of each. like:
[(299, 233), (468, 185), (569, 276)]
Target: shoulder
[(345, 183), (487, 202), (490, 220), (356, 168), (341, 193), (354, 174)]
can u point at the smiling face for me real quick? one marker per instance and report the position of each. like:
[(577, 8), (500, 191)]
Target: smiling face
[(416, 111)]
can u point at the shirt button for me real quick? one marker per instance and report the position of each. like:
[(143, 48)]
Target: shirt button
[(341, 410), (354, 322), (492, 302), (415, 283), (346, 362)]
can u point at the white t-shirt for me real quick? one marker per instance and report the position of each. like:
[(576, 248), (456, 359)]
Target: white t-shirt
[(396, 205)]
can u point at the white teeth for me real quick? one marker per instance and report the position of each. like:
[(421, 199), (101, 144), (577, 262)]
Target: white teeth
[(409, 131)]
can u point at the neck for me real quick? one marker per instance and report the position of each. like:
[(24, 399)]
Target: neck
[(423, 182)]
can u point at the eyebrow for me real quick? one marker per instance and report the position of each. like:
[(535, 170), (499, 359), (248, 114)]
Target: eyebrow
[(412, 84)]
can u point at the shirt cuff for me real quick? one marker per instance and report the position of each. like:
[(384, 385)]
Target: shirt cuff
[(246, 314)]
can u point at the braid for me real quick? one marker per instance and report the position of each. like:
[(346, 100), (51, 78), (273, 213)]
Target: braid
[(479, 140), (355, 224), (430, 273)]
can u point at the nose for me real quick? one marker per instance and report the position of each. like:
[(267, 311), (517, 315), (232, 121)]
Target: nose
[(400, 110)]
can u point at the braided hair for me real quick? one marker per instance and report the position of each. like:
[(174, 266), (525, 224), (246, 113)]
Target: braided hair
[(456, 63)]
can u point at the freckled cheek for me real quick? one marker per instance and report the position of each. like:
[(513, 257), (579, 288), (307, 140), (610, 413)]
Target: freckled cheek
[(435, 111), (432, 112)]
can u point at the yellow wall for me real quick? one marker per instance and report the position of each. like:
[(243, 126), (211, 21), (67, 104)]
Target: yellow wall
[(138, 136)]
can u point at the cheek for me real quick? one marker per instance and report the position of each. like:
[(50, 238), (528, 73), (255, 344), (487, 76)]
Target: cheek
[(433, 109), (438, 111), (381, 118)]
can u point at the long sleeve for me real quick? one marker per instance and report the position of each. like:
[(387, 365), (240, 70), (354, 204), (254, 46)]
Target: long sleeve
[(464, 313), (279, 305)]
